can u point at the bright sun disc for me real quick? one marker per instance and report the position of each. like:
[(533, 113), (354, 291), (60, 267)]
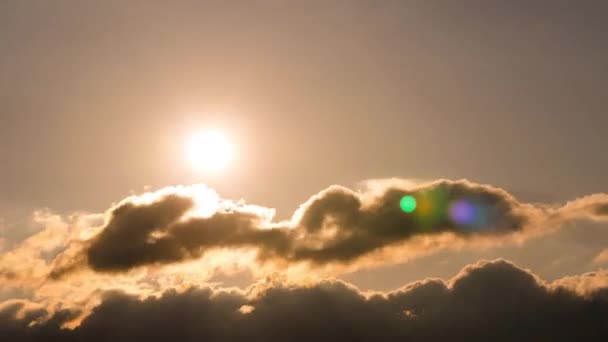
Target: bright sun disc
[(209, 151)]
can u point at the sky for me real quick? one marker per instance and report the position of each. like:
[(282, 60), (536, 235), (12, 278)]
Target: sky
[(334, 111)]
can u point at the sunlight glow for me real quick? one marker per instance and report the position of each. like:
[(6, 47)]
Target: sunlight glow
[(209, 151)]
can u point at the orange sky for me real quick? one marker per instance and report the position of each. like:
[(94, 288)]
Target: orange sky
[(332, 110)]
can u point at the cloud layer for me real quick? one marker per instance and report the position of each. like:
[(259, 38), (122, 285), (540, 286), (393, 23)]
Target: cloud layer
[(485, 301), (142, 270)]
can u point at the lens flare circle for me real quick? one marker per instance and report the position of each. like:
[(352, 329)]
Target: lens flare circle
[(463, 212), (408, 203)]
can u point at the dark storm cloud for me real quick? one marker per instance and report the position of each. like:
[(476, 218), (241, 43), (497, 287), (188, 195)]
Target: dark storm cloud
[(485, 301), (336, 225)]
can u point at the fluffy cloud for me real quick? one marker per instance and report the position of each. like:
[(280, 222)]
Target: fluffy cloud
[(485, 301), (335, 226), (153, 233), (350, 224)]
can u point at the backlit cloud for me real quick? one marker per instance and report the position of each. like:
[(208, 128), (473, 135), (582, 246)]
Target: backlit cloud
[(335, 226)]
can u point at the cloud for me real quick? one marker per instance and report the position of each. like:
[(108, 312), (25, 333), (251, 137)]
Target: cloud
[(485, 301), (592, 207), (359, 223), (336, 226), (588, 285), (154, 233)]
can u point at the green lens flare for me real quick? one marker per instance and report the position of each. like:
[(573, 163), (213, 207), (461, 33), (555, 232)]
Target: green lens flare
[(408, 203)]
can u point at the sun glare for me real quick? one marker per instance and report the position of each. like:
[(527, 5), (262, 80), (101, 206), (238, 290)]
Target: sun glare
[(209, 151)]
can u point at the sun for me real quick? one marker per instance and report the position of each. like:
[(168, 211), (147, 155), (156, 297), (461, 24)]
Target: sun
[(209, 151)]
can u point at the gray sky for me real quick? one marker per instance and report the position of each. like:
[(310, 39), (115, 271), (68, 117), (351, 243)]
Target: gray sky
[(97, 98)]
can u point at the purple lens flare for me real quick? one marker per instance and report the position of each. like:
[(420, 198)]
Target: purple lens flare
[(463, 212)]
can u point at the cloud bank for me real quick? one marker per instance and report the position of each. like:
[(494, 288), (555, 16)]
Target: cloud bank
[(485, 301)]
